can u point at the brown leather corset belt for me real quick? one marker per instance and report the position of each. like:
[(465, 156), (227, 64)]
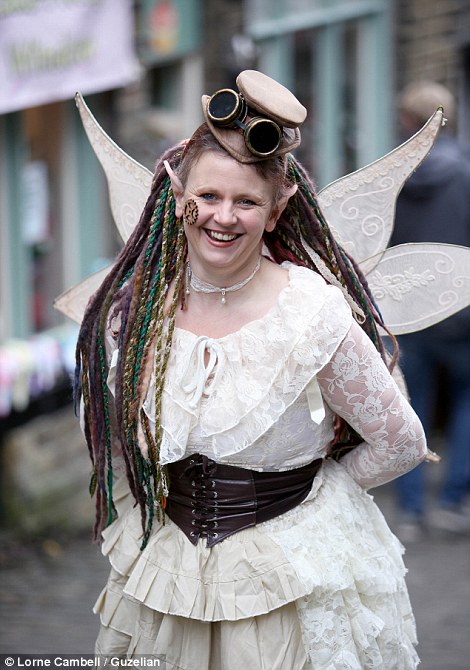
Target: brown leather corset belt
[(212, 500)]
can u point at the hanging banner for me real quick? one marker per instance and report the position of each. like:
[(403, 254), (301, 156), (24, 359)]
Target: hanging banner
[(49, 49)]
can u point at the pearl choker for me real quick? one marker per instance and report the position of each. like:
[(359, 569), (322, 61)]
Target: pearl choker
[(201, 286)]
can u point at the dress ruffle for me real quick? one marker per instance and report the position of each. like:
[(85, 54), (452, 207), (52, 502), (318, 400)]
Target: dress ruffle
[(245, 575), (357, 614), (273, 365), (340, 540), (333, 557)]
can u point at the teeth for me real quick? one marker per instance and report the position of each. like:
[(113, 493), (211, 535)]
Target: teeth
[(222, 237)]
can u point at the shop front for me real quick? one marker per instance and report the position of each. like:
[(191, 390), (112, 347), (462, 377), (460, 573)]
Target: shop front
[(336, 55)]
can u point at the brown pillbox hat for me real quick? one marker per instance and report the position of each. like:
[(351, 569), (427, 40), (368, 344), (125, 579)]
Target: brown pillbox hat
[(267, 98)]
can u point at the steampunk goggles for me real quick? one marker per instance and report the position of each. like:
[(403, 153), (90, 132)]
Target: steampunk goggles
[(228, 109)]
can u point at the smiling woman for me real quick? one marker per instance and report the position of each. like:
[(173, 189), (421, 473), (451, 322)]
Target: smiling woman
[(234, 385), (235, 205)]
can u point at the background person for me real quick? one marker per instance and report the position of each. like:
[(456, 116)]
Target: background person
[(434, 206)]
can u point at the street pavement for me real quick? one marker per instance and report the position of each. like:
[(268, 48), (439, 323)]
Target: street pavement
[(48, 588)]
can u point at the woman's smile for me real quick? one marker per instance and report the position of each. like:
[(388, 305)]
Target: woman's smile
[(235, 207), (218, 236)]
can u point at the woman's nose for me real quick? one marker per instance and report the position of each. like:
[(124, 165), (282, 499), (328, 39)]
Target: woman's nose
[(224, 213)]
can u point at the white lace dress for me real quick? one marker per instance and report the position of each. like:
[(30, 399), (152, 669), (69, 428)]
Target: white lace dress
[(320, 587)]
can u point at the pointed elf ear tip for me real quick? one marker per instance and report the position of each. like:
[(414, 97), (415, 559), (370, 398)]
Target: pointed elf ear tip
[(175, 180), (286, 196), (292, 190)]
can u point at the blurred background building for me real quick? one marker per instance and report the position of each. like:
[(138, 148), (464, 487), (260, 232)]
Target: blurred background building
[(142, 67)]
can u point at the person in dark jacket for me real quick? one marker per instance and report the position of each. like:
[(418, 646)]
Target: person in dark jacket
[(434, 206)]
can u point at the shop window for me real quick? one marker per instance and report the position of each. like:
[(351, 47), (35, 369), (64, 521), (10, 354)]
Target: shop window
[(341, 87)]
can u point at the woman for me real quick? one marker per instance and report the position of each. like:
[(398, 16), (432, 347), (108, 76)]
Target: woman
[(237, 405)]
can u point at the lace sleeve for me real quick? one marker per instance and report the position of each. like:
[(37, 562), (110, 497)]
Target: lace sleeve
[(358, 387)]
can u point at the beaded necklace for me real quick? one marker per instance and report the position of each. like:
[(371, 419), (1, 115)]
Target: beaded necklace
[(201, 286)]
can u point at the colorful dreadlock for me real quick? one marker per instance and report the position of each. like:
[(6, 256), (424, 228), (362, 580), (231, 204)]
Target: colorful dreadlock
[(136, 294), (135, 291)]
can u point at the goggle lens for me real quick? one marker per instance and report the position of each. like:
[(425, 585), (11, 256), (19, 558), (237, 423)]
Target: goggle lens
[(225, 107), (262, 136), (228, 109)]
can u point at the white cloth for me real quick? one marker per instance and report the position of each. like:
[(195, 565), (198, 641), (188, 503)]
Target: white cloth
[(333, 556), (253, 396)]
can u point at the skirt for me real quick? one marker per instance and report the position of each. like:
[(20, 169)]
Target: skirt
[(320, 587)]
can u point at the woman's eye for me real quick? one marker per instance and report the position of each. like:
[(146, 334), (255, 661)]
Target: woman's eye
[(247, 202), (207, 196)]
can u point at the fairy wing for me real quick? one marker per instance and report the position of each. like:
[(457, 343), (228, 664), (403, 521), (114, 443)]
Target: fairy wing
[(129, 182), (129, 185), (418, 285), (360, 207), (72, 303)]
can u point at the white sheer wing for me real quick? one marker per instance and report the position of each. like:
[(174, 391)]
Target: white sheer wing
[(129, 185), (128, 181), (360, 207), (418, 285), (73, 302)]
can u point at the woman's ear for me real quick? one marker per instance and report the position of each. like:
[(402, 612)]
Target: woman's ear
[(280, 207), (177, 187)]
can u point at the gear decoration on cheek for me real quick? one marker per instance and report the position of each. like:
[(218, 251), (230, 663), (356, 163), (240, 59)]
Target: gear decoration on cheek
[(190, 212)]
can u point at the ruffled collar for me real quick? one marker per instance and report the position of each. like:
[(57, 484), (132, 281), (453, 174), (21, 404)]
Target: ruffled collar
[(254, 374)]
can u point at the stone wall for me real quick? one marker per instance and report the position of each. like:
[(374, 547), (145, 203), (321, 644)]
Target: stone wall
[(45, 473)]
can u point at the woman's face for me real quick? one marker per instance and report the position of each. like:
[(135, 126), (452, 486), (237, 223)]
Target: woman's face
[(235, 207)]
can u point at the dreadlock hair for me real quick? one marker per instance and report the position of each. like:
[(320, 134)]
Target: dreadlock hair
[(139, 297), (134, 294)]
